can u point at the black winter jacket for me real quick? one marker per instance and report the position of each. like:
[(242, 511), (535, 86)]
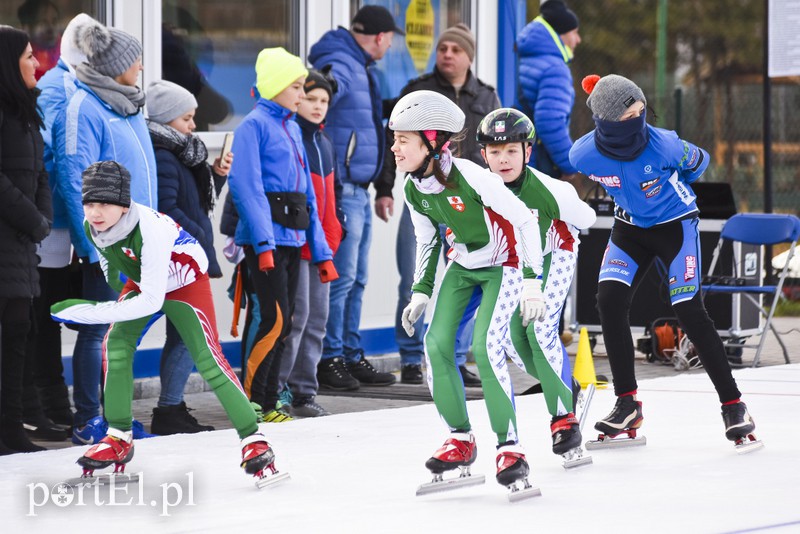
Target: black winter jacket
[(26, 209), (476, 99), (179, 197)]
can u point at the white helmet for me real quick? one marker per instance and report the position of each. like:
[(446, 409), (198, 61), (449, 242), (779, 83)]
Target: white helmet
[(426, 110)]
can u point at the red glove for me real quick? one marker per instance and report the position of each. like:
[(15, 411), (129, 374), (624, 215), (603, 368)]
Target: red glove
[(265, 261), (327, 272)]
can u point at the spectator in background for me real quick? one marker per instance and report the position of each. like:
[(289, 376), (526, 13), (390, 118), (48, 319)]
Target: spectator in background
[(102, 121), (40, 19), (298, 374), (187, 190), (546, 94), (355, 125), (452, 77), (27, 212), (274, 196), (57, 276)]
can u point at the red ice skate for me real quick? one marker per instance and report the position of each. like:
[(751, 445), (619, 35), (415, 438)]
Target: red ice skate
[(512, 468), (459, 451), (115, 448), (258, 460)]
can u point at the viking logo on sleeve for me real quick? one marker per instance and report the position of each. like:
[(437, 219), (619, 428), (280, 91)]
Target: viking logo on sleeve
[(456, 203)]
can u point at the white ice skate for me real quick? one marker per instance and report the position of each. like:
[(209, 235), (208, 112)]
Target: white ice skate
[(618, 429)]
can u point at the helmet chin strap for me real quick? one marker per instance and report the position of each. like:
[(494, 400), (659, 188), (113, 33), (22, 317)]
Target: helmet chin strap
[(433, 153)]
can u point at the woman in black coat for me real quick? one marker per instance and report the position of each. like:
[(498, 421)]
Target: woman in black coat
[(26, 213)]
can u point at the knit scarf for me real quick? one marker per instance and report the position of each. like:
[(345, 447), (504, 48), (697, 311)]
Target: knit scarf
[(622, 140), (123, 99), (190, 151), (119, 231)]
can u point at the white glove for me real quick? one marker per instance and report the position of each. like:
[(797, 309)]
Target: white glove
[(532, 306), (414, 310)]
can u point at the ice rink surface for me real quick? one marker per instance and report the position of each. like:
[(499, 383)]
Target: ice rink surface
[(358, 472)]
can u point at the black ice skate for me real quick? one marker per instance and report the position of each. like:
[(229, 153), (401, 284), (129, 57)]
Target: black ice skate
[(566, 429), (513, 471), (625, 418), (458, 452), (258, 460), (739, 427)]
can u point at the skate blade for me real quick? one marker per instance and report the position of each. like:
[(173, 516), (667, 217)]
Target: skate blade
[(271, 480), (450, 484), (750, 445), (516, 495), (576, 461), (104, 479), (615, 443)]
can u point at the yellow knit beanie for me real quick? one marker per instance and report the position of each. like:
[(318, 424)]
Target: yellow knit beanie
[(277, 69)]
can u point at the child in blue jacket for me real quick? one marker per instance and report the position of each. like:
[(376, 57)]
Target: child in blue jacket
[(274, 197), (649, 171)]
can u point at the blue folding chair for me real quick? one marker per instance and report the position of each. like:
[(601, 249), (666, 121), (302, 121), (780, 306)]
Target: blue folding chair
[(755, 229)]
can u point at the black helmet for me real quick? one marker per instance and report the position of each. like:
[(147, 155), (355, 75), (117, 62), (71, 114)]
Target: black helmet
[(505, 125)]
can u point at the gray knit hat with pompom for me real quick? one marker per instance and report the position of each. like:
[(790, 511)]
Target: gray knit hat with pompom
[(108, 50)]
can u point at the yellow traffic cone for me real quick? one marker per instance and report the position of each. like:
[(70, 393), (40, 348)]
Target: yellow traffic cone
[(584, 365)]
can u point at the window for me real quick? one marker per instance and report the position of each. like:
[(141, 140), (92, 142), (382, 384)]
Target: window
[(210, 48)]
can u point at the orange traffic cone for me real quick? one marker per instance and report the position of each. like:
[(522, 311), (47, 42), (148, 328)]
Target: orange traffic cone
[(584, 365)]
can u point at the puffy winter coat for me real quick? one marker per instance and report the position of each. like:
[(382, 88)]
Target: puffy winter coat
[(322, 166), (88, 131), (179, 197), (546, 94), (356, 108), (26, 211), (270, 158), (57, 87)]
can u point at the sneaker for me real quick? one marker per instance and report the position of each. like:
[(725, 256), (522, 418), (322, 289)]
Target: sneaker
[(277, 415), (367, 375), (115, 448), (738, 423), (307, 407), (169, 420), (92, 432), (137, 428), (566, 433), (284, 398), (332, 374), (459, 450), (511, 465), (471, 380), (43, 429), (626, 415), (411, 374)]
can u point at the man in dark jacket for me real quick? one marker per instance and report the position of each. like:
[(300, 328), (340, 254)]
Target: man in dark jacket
[(545, 48), (452, 77), (354, 123)]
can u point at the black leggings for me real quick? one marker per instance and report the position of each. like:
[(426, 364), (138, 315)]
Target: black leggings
[(643, 245)]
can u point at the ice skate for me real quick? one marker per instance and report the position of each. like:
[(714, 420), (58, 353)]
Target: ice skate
[(739, 427), (115, 448), (458, 452), (258, 460), (513, 471), (625, 418), (567, 434)]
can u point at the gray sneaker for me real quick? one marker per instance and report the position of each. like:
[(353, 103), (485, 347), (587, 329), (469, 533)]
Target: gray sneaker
[(308, 408)]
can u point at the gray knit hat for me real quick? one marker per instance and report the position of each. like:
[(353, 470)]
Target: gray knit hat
[(611, 95), (106, 182), (166, 101), (462, 36), (108, 50)]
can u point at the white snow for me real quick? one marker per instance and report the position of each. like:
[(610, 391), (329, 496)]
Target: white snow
[(357, 473)]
